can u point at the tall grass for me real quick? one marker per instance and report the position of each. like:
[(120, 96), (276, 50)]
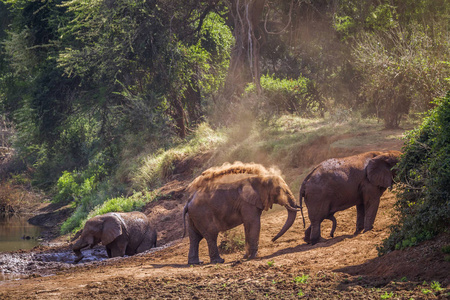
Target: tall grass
[(156, 167)]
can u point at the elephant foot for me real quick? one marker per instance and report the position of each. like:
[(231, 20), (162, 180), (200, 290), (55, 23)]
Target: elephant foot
[(217, 260), (195, 262), (357, 231), (246, 256), (369, 229), (315, 241)]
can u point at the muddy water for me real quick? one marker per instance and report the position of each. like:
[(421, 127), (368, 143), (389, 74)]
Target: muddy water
[(20, 265), (49, 262), (16, 233)]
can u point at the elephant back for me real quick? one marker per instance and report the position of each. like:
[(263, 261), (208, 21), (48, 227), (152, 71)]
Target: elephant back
[(137, 226), (228, 173)]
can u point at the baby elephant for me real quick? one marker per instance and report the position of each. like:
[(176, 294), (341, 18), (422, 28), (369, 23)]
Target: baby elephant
[(121, 233), (339, 183)]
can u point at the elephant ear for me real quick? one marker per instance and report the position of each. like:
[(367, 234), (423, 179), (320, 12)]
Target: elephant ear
[(265, 186), (112, 228), (379, 171), (250, 195)]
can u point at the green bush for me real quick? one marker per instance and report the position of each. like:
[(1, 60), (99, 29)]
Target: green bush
[(423, 196), (298, 96), (66, 187), (78, 185)]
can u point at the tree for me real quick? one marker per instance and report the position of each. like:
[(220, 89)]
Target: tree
[(402, 70)]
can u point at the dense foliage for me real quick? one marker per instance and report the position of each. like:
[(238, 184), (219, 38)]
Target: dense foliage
[(295, 96), (423, 174)]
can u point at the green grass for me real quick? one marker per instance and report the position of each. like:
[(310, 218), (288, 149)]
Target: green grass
[(301, 279), (155, 167)]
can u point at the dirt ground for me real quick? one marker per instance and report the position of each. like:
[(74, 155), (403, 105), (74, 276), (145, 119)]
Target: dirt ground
[(345, 266)]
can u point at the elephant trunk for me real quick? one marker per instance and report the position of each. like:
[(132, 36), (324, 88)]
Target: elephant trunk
[(77, 249), (294, 206), (292, 214)]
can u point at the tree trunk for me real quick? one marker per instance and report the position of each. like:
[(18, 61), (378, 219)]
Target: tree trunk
[(244, 63)]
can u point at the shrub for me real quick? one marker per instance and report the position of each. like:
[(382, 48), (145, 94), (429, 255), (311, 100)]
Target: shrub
[(299, 96), (77, 185), (402, 69), (423, 196)]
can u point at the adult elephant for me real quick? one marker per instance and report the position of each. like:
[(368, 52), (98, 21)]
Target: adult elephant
[(223, 198), (121, 233), (339, 183)]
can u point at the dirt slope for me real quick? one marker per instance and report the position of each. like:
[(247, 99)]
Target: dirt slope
[(346, 266)]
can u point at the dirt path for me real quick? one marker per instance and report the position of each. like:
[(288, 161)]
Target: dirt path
[(333, 267), (345, 267)]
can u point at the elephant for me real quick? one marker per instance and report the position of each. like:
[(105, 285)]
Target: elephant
[(121, 233), (340, 183), (226, 197)]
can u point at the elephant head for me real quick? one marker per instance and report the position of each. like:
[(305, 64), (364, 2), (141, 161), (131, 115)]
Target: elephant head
[(105, 228), (270, 189), (379, 169)]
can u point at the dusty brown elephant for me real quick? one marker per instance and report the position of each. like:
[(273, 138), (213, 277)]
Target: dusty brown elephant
[(339, 183), (121, 233), (223, 198)]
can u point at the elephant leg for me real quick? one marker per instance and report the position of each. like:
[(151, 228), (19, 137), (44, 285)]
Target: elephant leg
[(333, 228), (371, 203), (252, 230), (315, 232), (144, 246), (360, 214), (108, 251), (148, 242), (194, 240), (211, 239), (117, 249), (307, 237), (130, 251)]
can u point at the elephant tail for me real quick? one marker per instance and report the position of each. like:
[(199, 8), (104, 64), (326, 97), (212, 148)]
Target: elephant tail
[(302, 194)]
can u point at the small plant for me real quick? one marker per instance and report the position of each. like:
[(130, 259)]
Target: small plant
[(386, 295), (446, 249), (404, 279), (300, 293), (426, 291), (301, 279), (435, 285), (270, 263)]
